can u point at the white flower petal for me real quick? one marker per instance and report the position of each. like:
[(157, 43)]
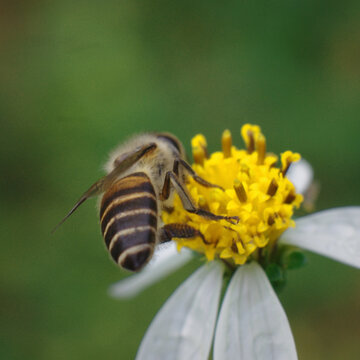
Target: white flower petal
[(184, 326), (334, 233), (252, 324), (301, 175), (166, 260)]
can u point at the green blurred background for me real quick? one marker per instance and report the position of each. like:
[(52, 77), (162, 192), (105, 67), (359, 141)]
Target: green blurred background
[(79, 77)]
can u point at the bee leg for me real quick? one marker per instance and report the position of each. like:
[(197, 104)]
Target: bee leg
[(182, 231), (187, 202), (192, 173)]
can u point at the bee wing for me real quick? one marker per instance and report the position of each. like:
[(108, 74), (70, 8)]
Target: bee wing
[(122, 163)]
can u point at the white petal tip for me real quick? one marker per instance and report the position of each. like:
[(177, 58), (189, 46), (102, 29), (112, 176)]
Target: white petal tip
[(301, 174), (334, 233)]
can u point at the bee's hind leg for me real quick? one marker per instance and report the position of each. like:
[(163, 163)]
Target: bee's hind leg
[(182, 231), (172, 179)]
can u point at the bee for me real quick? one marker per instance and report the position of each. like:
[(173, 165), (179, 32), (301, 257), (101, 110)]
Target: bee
[(142, 175)]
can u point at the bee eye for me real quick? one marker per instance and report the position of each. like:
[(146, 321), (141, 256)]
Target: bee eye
[(173, 141)]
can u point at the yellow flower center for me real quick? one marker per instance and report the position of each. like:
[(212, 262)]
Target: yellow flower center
[(254, 189)]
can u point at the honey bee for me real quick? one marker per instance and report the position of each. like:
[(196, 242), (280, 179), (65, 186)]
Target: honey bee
[(142, 176)]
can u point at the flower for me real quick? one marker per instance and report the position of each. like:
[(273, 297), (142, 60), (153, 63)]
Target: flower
[(251, 323), (253, 189)]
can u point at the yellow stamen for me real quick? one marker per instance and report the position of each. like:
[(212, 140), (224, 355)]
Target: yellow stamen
[(272, 188), (290, 198), (261, 148), (287, 158), (198, 155), (250, 134), (199, 149), (226, 143), (251, 142), (271, 220), (254, 190), (240, 191)]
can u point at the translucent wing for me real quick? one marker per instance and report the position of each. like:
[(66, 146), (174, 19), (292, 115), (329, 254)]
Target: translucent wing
[(123, 163)]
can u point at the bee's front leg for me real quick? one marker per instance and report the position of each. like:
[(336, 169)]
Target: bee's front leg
[(192, 173), (187, 202)]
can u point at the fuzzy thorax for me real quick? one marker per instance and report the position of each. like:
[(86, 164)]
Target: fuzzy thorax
[(255, 190)]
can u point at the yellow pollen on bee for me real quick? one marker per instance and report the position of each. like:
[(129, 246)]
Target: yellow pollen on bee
[(254, 190)]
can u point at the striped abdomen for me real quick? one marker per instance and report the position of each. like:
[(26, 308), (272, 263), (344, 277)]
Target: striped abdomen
[(128, 217)]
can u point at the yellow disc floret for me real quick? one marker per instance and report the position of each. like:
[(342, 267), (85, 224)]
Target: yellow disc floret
[(254, 190)]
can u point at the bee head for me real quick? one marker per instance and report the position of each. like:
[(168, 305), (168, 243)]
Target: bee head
[(173, 141)]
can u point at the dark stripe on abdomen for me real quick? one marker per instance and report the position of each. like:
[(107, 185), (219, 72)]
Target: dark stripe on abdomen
[(126, 242), (142, 202), (128, 222), (128, 216), (132, 184)]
